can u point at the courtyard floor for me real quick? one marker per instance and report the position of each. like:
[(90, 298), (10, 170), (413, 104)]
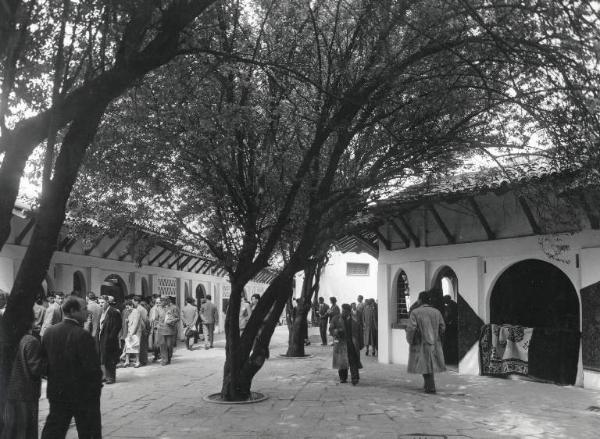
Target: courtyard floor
[(307, 401)]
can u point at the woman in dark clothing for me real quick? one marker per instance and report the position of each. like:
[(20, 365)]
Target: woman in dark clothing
[(370, 326), (346, 350)]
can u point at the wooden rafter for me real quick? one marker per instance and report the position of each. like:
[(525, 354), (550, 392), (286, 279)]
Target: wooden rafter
[(409, 230), (189, 270), (160, 253), (25, 231), (400, 233), (438, 219), (201, 266), (482, 219), (207, 267), (63, 243), (95, 244), (114, 244), (177, 259), (171, 253), (124, 255), (535, 227), (70, 244), (386, 241), (185, 262)]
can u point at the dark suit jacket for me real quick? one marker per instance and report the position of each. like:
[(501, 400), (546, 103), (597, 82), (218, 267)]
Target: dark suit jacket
[(109, 337), (74, 373)]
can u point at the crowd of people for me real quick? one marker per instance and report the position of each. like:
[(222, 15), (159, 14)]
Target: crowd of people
[(78, 345)]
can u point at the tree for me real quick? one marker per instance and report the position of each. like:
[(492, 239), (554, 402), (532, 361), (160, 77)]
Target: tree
[(299, 115)]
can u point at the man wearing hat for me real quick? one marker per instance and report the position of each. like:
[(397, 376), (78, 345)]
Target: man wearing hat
[(108, 338)]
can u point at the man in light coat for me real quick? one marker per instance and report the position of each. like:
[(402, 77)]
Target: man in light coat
[(210, 317), (189, 317), (53, 313), (424, 335), (92, 324)]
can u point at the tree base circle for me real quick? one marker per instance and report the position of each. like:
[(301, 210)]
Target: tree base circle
[(215, 398), (291, 357)]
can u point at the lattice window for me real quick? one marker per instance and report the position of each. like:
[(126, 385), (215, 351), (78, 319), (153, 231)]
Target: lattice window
[(402, 292), (357, 269), (167, 286)]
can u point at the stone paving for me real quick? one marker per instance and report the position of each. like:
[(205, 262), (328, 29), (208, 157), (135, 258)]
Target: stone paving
[(307, 401)]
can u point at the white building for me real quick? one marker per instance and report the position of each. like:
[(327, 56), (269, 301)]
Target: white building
[(345, 276), (523, 254), (106, 266)]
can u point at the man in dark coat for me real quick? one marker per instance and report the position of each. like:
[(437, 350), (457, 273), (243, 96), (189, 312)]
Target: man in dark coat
[(323, 318), (344, 329), (108, 334), (74, 375)]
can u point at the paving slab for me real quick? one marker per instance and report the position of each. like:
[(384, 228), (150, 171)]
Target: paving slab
[(306, 400)]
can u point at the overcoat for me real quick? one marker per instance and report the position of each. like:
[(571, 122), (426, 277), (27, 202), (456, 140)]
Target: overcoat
[(109, 337), (370, 325), (424, 335), (341, 359)]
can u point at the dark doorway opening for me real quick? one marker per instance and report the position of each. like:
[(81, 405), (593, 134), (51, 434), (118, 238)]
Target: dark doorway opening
[(446, 283), (535, 294), (114, 286)]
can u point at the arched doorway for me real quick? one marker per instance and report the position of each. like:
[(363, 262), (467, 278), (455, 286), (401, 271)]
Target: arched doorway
[(200, 294), (79, 286), (114, 286), (445, 285), (535, 293)]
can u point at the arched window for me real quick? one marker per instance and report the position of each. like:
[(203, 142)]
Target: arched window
[(402, 291), (79, 286)]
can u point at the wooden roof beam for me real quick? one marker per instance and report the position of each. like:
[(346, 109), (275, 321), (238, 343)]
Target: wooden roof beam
[(482, 219), (201, 266), (184, 263), (70, 244), (160, 253), (176, 260), (535, 227), (400, 233), (190, 269), (207, 267), (114, 244), (95, 244), (25, 231), (366, 243), (171, 253), (410, 232), (438, 219), (386, 242), (63, 243)]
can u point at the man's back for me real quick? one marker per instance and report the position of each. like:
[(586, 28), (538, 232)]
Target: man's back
[(95, 311), (74, 373), (208, 312)]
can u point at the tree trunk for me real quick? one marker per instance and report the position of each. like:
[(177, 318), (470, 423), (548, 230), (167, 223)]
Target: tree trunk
[(300, 324), (50, 218), (231, 390)]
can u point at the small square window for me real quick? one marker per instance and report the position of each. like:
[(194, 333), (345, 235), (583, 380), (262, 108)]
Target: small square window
[(356, 269)]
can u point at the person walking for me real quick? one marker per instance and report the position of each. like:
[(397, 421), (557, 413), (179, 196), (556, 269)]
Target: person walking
[(370, 326), (346, 349), (108, 337), (74, 375), (189, 317), (24, 388), (323, 320), (210, 317), (424, 335), (167, 330)]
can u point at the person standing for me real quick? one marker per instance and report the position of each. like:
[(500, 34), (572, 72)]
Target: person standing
[(54, 313), (138, 304), (23, 393), (210, 317), (167, 330), (108, 335), (92, 325), (370, 326), (74, 375), (323, 320), (334, 309), (360, 311), (156, 314), (254, 301), (133, 337), (424, 335), (189, 317), (39, 312), (346, 352)]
